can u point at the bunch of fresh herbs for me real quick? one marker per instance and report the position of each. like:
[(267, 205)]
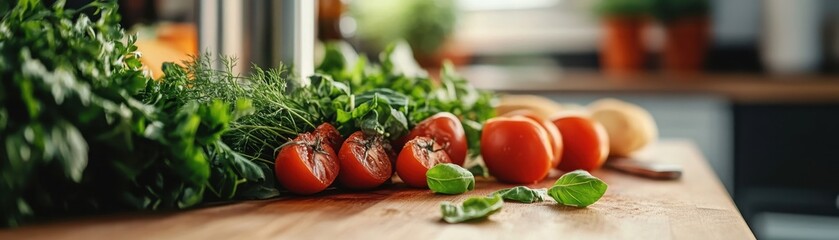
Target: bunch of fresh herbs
[(282, 106), (451, 93), (86, 130), (79, 136), (370, 98)]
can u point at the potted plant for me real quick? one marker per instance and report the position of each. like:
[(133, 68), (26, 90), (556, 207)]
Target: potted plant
[(622, 49), (686, 27), (426, 25)]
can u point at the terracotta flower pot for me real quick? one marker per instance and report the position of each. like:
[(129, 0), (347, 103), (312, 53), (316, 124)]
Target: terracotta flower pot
[(623, 51), (329, 18), (458, 54), (686, 44)]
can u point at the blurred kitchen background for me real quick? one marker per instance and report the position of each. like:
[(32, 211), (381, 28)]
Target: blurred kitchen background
[(754, 83)]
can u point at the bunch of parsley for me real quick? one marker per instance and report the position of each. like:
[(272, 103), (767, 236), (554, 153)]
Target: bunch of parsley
[(80, 132)]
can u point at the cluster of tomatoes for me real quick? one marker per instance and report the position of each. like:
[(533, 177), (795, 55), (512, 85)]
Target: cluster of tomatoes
[(311, 162), (522, 147), (518, 147)]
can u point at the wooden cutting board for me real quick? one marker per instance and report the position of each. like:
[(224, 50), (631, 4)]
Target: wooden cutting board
[(694, 207)]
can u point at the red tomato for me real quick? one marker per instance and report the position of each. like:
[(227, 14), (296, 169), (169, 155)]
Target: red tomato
[(516, 150), (446, 130), (306, 165), (554, 135), (330, 135), (586, 142), (416, 158), (364, 162)]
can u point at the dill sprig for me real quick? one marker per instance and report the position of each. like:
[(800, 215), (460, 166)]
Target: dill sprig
[(277, 115)]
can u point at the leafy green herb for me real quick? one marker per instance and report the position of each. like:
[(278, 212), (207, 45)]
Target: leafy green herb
[(425, 97), (79, 138), (282, 108), (449, 178), (354, 98), (473, 208), (578, 189), (424, 23), (479, 169), (521, 194), (86, 130), (623, 8), (379, 111)]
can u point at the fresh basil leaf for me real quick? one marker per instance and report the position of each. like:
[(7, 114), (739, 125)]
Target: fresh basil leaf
[(392, 97), (473, 136), (476, 166), (473, 208), (397, 124), (449, 178), (578, 189), (343, 116), (521, 194), (479, 170)]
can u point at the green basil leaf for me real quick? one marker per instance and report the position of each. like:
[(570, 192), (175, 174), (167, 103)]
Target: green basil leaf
[(476, 166), (449, 178), (473, 208), (521, 194), (578, 189)]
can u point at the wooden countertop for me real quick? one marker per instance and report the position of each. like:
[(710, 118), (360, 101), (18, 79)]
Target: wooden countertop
[(740, 88), (694, 207)]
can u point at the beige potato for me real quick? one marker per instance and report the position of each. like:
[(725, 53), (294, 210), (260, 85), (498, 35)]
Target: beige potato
[(541, 106), (629, 126)]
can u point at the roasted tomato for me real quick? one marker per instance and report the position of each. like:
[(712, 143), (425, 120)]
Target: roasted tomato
[(446, 129), (554, 135), (330, 135), (586, 142), (516, 150), (416, 158), (364, 162), (306, 165)]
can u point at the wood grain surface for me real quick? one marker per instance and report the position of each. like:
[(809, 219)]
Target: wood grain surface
[(694, 207)]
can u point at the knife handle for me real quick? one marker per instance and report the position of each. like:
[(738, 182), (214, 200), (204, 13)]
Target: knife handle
[(649, 169)]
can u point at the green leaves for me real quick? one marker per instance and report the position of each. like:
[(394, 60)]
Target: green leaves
[(70, 147), (473, 208), (85, 130), (623, 8), (417, 97), (378, 111), (67, 114), (521, 194), (449, 178), (577, 189)]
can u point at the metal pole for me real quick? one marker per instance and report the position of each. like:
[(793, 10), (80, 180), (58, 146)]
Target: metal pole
[(304, 39)]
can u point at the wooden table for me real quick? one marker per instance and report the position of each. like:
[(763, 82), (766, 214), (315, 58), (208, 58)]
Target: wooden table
[(694, 207)]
